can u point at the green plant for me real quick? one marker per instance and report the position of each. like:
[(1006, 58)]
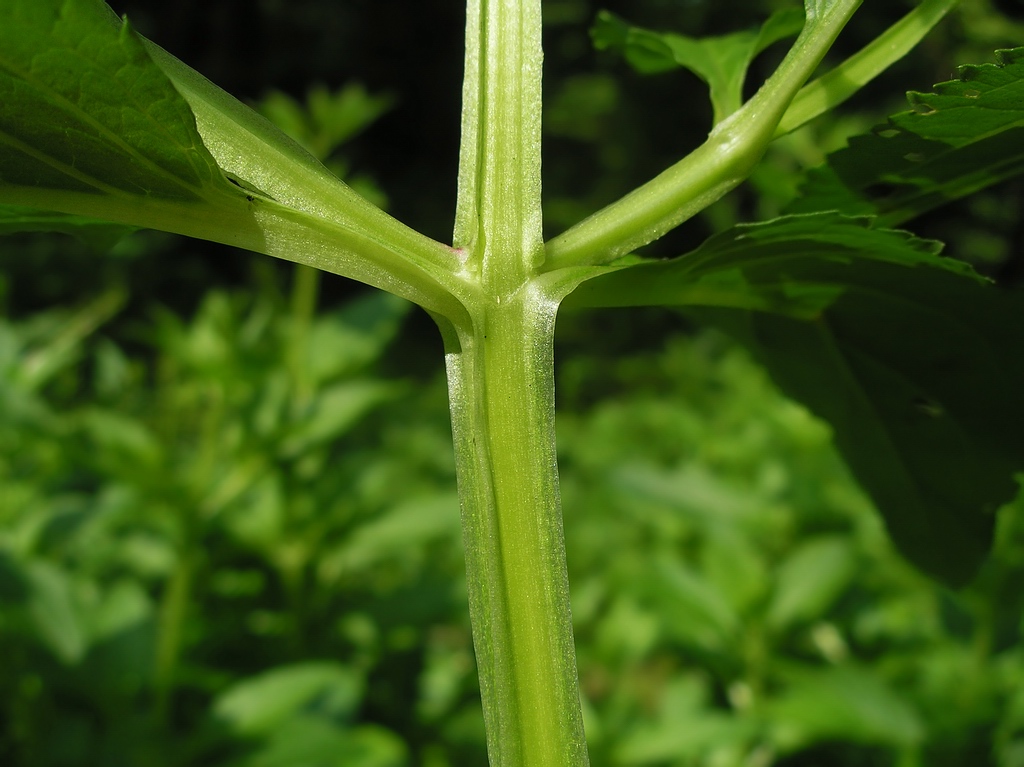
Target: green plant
[(101, 125)]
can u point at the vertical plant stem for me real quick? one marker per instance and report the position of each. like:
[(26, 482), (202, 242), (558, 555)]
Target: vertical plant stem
[(173, 612), (498, 215), (502, 396), (501, 384)]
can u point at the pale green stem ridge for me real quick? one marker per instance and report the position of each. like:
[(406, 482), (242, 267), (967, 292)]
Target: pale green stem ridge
[(498, 224), (838, 84), (716, 167), (501, 384)]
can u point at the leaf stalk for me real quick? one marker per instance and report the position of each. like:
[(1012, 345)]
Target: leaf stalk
[(715, 168)]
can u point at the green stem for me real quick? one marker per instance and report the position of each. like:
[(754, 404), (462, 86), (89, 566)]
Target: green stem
[(501, 382), (838, 84), (248, 146), (173, 611), (502, 394), (498, 216)]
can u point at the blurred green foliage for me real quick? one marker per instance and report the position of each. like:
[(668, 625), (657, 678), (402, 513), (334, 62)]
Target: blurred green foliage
[(737, 600), (181, 534), (241, 547), (229, 533)]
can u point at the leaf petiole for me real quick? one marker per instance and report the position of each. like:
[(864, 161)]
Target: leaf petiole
[(716, 167), (838, 84)]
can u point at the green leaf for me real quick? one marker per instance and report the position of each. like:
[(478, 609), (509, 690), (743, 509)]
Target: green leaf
[(684, 728), (260, 704), (335, 410), (86, 109), (120, 441), (328, 118), (55, 612), (918, 371), (912, 358), (810, 579), (758, 266), (313, 742), (393, 535), (124, 605), (967, 135), (347, 340), (697, 611), (722, 62), (736, 565), (92, 127), (845, 703)]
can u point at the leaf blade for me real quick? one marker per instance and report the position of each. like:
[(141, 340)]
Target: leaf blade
[(87, 110), (965, 136), (745, 267), (911, 357), (721, 62), (917, 375)]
